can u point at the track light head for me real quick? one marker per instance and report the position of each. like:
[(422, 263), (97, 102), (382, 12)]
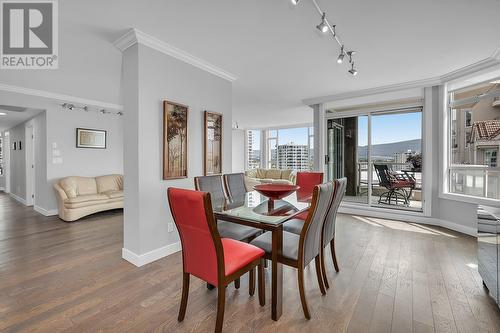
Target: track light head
[(295, 2), (70, 107), (353, 71), (323, 27), (350, 54), (340, 59)]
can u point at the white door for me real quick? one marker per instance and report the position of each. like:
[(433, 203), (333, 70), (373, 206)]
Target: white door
[(30, 164)]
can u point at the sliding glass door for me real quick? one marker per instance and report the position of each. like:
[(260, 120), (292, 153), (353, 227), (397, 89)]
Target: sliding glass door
[(380, 154)]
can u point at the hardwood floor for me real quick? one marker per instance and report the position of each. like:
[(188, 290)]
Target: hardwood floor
[(394, 277)]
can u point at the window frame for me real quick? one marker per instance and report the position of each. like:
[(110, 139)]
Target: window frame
[(446, 142)]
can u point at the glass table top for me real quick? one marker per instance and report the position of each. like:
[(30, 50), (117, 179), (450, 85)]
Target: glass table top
[(258, 208)]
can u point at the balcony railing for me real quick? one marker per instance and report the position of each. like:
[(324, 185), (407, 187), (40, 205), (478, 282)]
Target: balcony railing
[(475, 180)]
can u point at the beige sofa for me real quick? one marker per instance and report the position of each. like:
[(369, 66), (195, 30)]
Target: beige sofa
[(268, 176), (81, 196)]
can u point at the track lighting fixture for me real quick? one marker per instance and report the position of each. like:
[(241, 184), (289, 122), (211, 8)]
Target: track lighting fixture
[(353, 71), (323, 27), (340, 59), (86, 108)]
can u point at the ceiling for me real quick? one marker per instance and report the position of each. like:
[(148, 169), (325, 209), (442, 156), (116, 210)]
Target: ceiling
[(279, 57), (15, 115)]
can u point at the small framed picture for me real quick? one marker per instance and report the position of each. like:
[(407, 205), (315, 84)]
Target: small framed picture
[(14, 145), (90, 138), (20, 145)]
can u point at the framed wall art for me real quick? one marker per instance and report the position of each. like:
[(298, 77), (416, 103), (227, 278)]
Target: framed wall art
[(212, 164), (175, 117), (90, 138)]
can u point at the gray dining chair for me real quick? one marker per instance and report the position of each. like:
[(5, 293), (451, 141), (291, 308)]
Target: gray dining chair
[(214, 186), (235, 185), (329, 227), (300, 250), (295, 226)]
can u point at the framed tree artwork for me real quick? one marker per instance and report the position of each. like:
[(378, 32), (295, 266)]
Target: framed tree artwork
[(175, 164), (213, 144)]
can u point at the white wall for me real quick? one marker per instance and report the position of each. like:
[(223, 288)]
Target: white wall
[(2, 177), (61, 130), (149, 78), (238, 150)]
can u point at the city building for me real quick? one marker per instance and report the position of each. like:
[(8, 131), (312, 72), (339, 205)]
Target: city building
[(293, 157)]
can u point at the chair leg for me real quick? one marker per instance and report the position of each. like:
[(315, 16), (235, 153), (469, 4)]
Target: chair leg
[(317, 263), (262, 283), (323, 268), (303, 300), (334, 256), (251, 283), (184, 299), (237, 283), (221, 303)]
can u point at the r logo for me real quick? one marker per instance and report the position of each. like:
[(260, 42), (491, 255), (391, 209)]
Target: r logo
[(29, 28)]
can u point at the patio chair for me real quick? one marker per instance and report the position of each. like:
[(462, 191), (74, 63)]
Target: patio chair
[(399, 186)]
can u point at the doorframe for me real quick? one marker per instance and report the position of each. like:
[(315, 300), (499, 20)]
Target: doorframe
[(426, 190), (29, 150)]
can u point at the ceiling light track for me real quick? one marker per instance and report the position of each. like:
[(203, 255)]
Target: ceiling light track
[(85, 108), (324, 26)]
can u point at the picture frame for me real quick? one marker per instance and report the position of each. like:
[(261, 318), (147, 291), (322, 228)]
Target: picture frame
[(14, 145), (212, 146), (20, 146), (175, 140), (91, 138)]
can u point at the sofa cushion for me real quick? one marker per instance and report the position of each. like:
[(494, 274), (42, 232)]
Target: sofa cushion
[(109, 183), (273, 174), (75, 186), (86, 198), (113, 194), (285, 174), (260, 173)]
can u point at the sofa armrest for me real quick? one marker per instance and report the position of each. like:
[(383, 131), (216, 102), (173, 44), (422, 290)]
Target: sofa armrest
[(293, 177), (61, 195), (250, 183)]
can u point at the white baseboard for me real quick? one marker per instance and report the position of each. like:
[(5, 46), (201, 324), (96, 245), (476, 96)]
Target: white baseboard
[(45, 212), (2, 188), (148, 257), (21, 200)]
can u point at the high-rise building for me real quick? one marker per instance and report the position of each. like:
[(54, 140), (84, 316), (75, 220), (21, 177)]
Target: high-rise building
[(253, 154), (293, 157)]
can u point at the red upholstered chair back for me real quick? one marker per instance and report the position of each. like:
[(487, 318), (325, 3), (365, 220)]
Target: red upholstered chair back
[(307, 181), (193, 216)]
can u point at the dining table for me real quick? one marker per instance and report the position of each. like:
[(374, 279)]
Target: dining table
[(255, 210)]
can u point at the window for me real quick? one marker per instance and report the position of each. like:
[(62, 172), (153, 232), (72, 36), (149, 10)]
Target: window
[(253, 153), (474, 114), (290, 148)]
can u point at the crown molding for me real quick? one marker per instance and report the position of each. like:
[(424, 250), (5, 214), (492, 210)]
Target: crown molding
[(486, 63), (59, 97), (135, 36)]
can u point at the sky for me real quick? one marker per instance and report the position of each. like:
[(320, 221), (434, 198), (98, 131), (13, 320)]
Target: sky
[(389, 128)]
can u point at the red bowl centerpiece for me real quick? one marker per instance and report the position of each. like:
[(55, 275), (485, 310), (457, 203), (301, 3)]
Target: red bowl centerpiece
[(275, 191)]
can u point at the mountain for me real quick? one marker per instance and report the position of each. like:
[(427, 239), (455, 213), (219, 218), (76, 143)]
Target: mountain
[(387, 150)]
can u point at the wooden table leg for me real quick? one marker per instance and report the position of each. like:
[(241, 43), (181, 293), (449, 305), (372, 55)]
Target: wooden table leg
[(277, 274)]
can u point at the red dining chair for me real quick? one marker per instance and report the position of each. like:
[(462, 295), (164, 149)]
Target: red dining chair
[(206, 255), (306, 182)]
